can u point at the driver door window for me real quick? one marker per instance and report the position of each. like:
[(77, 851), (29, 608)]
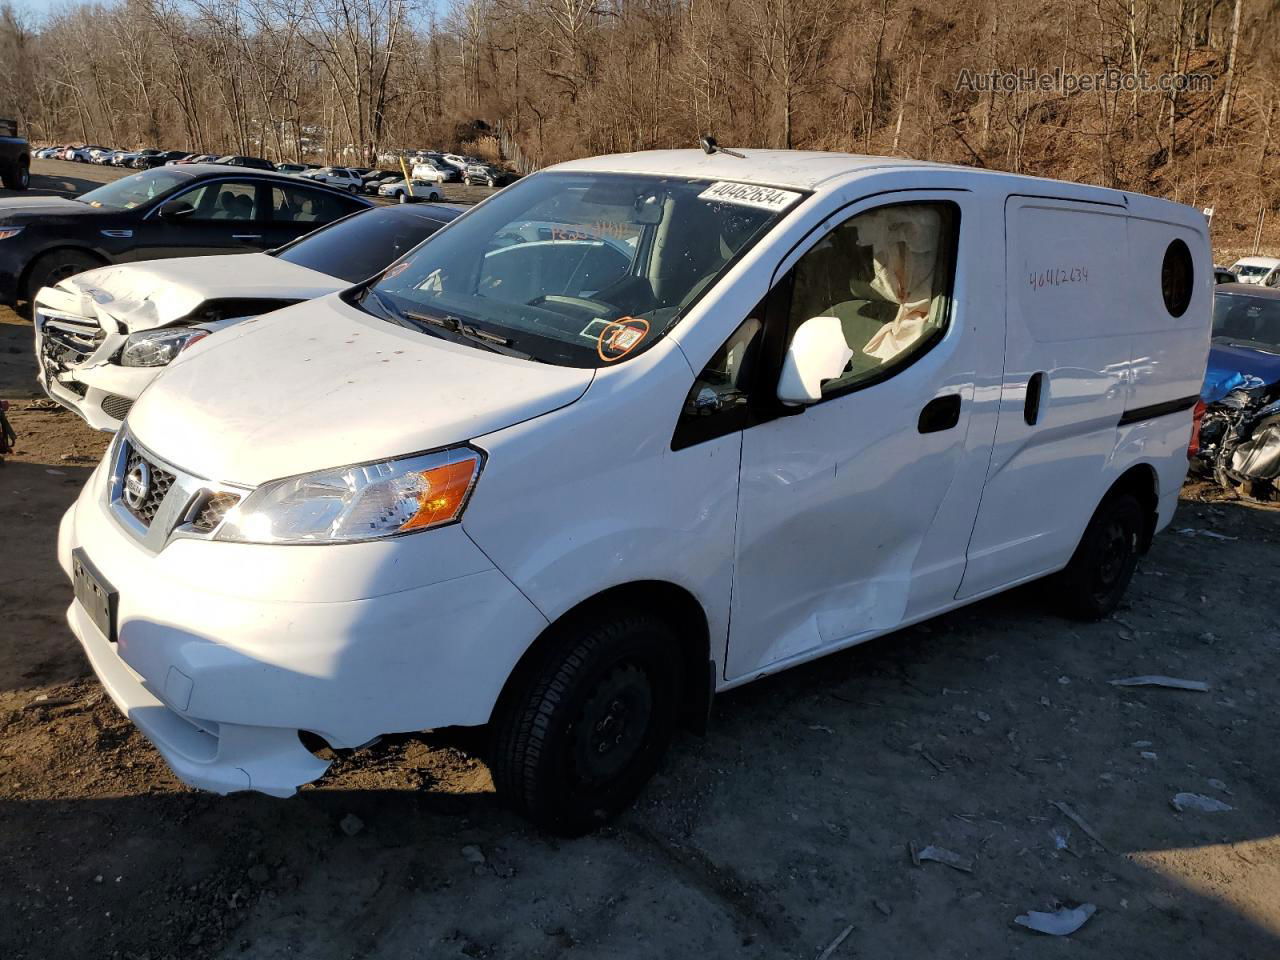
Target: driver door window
[(886, 275)]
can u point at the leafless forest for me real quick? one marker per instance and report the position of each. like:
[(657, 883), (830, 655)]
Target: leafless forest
[(543, 80)]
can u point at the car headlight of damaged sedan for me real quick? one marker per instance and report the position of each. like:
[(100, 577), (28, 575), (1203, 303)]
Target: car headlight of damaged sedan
[(363, 502), (157, 348)]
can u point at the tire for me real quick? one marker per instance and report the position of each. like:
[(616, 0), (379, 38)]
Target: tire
[(1095, 580), (578, 734), (353, 189), (55, 266), (18, 176)]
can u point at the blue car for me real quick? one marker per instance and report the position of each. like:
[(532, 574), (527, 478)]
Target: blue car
[(1246, 339)]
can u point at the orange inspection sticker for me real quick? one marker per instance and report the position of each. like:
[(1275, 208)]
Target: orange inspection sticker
[(621, 337), (396, 270)]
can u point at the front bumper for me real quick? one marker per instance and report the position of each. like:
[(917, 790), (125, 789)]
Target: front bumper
[(74, 365), (227, 651)]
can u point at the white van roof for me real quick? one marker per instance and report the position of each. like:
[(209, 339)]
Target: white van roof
[(1257, 262), (816, 170)]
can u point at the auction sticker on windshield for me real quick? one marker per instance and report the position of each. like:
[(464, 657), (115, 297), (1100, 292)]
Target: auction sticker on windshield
[(749, 195)]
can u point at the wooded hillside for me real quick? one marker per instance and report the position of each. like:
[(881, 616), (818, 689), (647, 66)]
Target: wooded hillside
[(565, 78)]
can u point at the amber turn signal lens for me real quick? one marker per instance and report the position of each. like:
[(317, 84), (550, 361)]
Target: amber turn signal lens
[(444, 491)]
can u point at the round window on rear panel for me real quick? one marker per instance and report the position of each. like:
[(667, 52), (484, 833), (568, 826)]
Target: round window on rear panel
[(1176, 275)]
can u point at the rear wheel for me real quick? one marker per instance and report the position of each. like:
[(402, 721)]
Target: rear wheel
[(17, 176), (56, 266), (578, 735), (1095, 580), (353, 189)]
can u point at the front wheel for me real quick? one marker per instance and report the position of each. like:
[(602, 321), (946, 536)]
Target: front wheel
[(1095, 580), (56, 266), (579, 734)]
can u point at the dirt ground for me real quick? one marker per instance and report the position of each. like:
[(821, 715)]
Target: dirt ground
[(786, 825)]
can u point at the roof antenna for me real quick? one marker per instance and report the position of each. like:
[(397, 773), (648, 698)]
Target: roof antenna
[(709, 146)]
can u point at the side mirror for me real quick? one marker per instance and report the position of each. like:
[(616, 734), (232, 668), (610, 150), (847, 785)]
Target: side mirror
[(176, 210), (818, 352)]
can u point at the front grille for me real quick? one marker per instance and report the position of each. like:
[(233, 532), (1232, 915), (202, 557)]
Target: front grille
[(68, 343), (161, 481), (214, 510), (116, 406)]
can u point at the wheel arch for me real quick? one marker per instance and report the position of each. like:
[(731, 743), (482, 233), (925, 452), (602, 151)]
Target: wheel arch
[(1141, 482), (25, 278), (674, 604)]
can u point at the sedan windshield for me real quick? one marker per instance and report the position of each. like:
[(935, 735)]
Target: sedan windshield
[(1248, 321), (130, 192), (358, 246), (577, 269), (1249, 270)]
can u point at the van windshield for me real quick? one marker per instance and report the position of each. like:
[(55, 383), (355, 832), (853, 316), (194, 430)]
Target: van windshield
[(577, 269)]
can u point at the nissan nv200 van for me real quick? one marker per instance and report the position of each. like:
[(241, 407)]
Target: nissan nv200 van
[(634, 431)]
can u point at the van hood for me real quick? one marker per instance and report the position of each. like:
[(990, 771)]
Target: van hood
[(323, 384), (142, 296)]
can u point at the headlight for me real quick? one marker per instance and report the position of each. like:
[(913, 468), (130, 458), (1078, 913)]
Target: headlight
[(155, 348), (8, 233), (363, 502)]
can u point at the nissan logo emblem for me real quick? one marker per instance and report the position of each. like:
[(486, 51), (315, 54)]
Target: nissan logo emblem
[(137, 484)]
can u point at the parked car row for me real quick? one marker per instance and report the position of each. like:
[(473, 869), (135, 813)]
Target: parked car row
[(426, 167), (144, 159)]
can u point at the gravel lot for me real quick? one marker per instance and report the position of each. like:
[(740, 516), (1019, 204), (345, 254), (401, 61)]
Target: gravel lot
[(785, 826)]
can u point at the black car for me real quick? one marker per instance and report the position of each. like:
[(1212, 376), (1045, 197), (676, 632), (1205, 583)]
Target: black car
[(257, 163), (372, 181), (361, 245), (146, 161), (180, 211), (487, 175)]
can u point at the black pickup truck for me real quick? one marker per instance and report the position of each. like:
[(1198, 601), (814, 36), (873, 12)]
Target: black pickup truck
[(15, 157)]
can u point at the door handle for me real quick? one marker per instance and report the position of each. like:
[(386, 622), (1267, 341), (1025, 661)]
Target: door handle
[(940, 413), (246, 236), (1031, 405)]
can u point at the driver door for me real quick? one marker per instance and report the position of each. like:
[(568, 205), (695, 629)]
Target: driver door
[(226, 216), (854, 511)]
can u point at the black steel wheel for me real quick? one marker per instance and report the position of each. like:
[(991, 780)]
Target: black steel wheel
[(1099, 572), (580, 731)]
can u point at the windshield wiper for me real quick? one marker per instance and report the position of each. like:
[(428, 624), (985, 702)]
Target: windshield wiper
[(388, 310), (481, 338), (1270, 349)]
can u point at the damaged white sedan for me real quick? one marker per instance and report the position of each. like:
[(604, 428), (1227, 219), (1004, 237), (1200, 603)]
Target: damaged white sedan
[(102, 336)]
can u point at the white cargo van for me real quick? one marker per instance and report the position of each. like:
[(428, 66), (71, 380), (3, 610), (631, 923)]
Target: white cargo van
[(633, 431)]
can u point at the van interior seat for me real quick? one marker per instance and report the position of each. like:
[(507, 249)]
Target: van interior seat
[(834, 280)]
